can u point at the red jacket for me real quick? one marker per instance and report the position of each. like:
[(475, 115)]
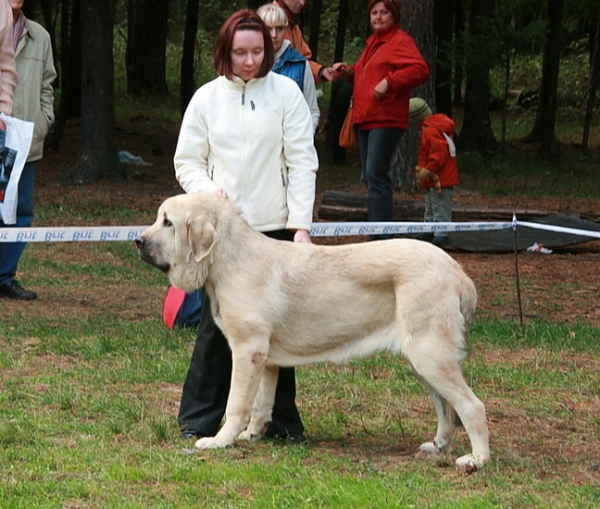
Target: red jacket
[(435, 151), (394, 56)]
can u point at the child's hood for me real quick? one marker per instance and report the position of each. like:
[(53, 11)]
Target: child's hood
[(441, 122)]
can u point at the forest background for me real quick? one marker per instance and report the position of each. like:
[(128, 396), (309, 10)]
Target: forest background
[(484, 55), (91, 379)]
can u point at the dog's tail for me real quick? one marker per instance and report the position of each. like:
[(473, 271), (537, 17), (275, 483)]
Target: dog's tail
[(468, 301)]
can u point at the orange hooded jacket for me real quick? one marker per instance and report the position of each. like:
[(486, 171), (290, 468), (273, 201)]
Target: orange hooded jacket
[(435, 152)]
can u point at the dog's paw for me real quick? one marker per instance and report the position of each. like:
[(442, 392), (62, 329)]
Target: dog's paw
[(469, 464), (429, 448), (208, 443), (249, 436)]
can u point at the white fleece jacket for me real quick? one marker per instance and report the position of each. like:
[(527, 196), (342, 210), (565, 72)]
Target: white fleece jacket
[(255, 141)]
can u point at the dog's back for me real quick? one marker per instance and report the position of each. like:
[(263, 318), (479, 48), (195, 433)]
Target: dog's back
[(337, 302)]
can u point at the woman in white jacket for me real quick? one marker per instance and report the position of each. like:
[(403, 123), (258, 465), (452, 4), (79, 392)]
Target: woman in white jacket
[(247, 136)]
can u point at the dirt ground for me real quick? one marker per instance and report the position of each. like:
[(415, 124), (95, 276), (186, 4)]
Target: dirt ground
[(560, 287)]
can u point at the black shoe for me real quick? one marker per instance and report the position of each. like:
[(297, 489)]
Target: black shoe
[(292, 438), (14, 290), (296, 438), (190, 433)]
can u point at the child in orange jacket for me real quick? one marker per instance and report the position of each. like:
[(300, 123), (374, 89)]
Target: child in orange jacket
[(436, 168)]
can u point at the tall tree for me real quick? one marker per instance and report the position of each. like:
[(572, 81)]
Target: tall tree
[(593, 88), (543, 128), (147, 47), (417, 20), (340, 35), (48, 13), (97, 156), (458, 74), (476, 134), (70, 69), (315, 27), (444, 29), (188, 85)]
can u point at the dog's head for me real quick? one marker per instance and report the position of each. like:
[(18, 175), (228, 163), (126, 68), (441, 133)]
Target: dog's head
[(182, 238)]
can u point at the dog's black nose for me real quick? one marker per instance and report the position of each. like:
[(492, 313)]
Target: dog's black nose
[(139, 242)]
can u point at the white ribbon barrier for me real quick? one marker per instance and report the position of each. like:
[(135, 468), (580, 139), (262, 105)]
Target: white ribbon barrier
[(561, 229), (395, 228), (129, 233), (72, 234)]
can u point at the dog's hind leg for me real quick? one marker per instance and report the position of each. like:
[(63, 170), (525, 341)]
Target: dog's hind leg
[(262, 408), (441, 371), (248, 367), (447, 422)]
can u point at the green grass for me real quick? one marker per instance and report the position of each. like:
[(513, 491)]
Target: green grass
[(89, 401), (91, 382), (87, 420)]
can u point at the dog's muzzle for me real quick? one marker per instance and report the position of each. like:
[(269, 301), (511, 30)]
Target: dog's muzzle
[(146, 255)]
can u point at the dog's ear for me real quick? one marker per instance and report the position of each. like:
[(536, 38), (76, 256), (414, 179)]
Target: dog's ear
[(202, 237)]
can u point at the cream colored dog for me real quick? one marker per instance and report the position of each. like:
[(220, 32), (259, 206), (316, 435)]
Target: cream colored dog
[(288, 304)]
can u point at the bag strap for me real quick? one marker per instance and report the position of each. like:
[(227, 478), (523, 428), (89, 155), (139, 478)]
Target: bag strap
[(363, 70), (372, 56)]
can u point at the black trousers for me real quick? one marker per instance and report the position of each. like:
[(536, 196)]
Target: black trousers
[(206, 387)]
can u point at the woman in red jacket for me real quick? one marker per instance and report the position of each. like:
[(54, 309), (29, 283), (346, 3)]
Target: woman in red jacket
[(388, 69)]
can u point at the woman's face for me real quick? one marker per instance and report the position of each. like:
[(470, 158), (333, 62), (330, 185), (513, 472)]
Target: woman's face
[(247, 53), (381, 17), (16, 5), (277, 36)]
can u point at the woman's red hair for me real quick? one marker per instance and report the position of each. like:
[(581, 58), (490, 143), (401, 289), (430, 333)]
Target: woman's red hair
[(391, 5)]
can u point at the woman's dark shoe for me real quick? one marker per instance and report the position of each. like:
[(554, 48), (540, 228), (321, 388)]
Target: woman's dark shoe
[(190, 433), (14, 290), (292, 438)]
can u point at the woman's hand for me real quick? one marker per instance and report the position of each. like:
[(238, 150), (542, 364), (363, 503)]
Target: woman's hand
[(302, 236), (328, 74), (381, 89), (342, 68)]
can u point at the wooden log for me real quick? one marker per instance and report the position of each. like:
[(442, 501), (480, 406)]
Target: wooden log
[(342, 206)]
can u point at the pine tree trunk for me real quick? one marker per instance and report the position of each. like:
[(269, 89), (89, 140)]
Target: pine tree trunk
[(315, 28), (97, 156), (70, 67), (188, 85), (593, 88), (417, 20), (444, 29), (147, 47), (476, 134)]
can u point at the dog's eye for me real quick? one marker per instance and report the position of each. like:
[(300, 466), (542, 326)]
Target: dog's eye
[(167, 223)]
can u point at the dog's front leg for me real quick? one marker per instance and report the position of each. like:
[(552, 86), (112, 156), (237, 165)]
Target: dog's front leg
[(263, 405), (248, 367)]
